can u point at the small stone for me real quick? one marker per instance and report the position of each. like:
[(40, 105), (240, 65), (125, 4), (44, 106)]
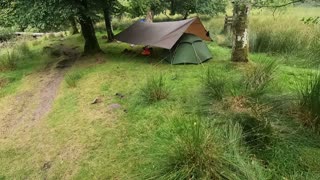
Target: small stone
[(96, 101), (114, 106)]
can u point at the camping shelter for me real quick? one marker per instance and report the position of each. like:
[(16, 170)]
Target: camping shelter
[(190, 49), (167, 35)]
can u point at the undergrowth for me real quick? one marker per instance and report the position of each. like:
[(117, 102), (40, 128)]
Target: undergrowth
[(72, 78), (155, 89), (310, 102)]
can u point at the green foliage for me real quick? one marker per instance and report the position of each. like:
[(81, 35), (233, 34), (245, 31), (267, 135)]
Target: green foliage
[(140, 7), (310, 102), (208, 7), (259, 77), (5, 34), (155, 89), (214, 85), (72, 78)]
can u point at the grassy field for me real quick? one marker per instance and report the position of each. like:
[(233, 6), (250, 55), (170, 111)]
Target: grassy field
[(153, 120)]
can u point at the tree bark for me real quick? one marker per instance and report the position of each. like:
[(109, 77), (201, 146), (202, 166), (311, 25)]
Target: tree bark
[(172, 7), (73, 25), (107, 20), (91, 45), (240, 47), (149, 17)]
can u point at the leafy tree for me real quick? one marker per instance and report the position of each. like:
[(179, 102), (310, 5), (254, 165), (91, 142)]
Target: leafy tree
[(186, 7), (140, 7), (52, 14), (111, 7)]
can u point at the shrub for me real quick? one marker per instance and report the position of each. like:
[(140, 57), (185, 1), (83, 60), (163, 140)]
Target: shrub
[(73, 78), (5, 34), (155, 90), (257, 80), (214, 85), (256, 132), (310, 102)]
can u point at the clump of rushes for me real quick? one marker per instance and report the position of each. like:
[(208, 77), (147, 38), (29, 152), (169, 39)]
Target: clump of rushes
[(192, 148), (72, 78), (257, 80), (310, 102), (214, 85), (8, 61), (155, 90)]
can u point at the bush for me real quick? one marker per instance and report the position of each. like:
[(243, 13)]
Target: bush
[(257, 80), (155, 90), (310, 102), (214, 85), (256, 132), (5, 34), (73, 78)]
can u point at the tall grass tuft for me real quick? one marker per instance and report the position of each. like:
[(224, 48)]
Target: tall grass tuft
[(284, 34), (310, 102), (72, 78), (192, 148), (8, 61), (155, 89), (214, 85), (257, 80)]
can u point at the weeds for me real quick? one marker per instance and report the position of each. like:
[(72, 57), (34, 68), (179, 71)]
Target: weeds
[(155, 90), (8, 61), (73, 78), (310, 102), (214, 85), (257, 80)]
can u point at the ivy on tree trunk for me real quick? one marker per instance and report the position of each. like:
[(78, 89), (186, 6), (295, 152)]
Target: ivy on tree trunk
[(107, 20), (240, 47)]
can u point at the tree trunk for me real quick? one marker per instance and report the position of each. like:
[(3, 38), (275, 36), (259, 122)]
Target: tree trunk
[(240, 47), (172, 7), (107, 20), (149, 17), (73, 25), (186, 15), (91, 43)]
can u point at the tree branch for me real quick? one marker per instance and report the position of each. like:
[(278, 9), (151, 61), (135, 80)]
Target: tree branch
[(277, 6)]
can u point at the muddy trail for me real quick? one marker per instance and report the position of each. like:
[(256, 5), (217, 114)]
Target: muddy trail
[(29, 107)]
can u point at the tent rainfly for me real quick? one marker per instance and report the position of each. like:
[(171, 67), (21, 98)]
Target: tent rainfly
[(162, 34)]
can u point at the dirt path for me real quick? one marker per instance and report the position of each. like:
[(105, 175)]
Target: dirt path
[(30, 106)]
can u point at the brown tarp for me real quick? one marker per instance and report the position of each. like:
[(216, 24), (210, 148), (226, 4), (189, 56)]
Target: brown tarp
[(162, 34)]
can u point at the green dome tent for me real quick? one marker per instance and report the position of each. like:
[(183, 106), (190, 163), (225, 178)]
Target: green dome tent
[(189, 49)]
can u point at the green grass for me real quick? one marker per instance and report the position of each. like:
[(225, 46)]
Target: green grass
[(71, 79), (310, 102), (167, 139)]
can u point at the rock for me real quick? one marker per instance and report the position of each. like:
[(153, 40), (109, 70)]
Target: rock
[(114, 106), (104, 37), (96, 101)]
